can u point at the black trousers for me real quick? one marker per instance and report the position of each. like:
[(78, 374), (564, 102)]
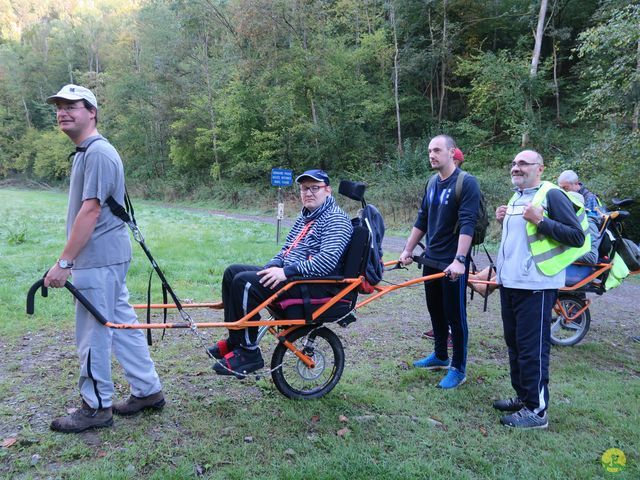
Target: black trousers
[(242, 292), (447, 305), (526, 318)]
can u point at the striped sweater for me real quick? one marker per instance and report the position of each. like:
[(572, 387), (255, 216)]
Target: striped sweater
[(318, 251)]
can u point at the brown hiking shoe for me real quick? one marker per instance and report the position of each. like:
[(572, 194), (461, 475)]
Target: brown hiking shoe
[(83, 419), (134, 404)]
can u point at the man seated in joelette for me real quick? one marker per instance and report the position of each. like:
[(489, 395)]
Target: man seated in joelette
[(314, 248)]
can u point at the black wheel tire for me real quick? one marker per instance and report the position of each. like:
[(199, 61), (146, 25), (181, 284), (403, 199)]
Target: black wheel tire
[(565, 333), (293, 378)]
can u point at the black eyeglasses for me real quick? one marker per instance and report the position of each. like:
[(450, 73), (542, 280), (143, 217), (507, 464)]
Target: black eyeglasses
[(522, 164), (313, 188)]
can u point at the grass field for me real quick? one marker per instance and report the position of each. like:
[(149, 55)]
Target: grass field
[(383, 420)]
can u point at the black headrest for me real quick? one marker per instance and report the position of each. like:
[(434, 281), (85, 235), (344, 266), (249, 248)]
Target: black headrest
[(622, 203), (353, 190)]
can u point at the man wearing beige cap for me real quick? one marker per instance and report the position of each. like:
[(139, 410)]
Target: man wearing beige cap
[(97, 253)]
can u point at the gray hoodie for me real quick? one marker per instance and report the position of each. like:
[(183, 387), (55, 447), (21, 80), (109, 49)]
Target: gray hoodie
[(515, 265)]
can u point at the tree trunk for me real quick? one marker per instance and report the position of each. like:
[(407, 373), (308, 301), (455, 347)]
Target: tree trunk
[(556, 87), (538, 43), (392, 18), (432, 79), (443, 67), (212, 112), (636, 109), (27, 116), (535, 59)]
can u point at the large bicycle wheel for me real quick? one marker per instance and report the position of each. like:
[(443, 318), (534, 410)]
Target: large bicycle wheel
[(293, 378), (569, 332)]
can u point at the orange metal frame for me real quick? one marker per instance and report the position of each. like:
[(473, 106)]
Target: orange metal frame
[(350, 285)]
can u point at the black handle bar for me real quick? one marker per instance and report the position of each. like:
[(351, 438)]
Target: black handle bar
[(74, 291)]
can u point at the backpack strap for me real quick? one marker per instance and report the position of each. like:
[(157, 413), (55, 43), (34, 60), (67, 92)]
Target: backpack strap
[(459, 182), (430, 183), (84, 149)]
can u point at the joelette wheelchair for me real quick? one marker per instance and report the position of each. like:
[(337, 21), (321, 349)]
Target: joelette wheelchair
[(309, 358)]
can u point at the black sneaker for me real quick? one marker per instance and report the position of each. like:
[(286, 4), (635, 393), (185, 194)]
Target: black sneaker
[(525, 419), (220, 349), (239, 362), (508, 405)]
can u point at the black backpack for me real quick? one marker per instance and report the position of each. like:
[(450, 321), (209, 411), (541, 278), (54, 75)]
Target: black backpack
[(482, 222), (371, 217)]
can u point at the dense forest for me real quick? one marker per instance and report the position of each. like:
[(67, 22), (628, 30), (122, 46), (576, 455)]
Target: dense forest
[(204, 97)]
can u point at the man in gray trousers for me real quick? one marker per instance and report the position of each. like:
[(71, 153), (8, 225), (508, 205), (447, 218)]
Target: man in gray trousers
[(97, 253)]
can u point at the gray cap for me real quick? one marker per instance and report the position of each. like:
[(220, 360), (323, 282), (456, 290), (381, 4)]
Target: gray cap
[(74, 93)]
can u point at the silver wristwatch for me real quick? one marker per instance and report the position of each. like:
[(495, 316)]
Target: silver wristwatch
[(65, 263)]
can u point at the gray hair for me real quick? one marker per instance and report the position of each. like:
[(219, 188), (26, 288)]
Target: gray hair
[(568, 176)]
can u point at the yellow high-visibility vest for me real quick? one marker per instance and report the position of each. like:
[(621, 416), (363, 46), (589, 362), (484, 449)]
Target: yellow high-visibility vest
[(549, 255)]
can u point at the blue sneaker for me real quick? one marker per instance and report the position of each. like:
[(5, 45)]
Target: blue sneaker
[(432, 363), (453, 379)]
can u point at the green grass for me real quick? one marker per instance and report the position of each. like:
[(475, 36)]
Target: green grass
[(400, 426)]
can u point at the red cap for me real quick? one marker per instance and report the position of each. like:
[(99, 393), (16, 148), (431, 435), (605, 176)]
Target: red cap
[(458, 156)]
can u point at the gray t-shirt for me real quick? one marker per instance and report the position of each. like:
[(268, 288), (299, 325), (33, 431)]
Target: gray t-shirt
[(98, 173)]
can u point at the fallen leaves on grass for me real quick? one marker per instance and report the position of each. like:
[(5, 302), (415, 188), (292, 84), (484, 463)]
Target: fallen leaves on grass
[(343, 419), (483, 431), (343, 432), (8, 442)]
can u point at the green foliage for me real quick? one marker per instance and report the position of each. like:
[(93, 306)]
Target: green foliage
[(204, 97), (610, 53), (500, 89)]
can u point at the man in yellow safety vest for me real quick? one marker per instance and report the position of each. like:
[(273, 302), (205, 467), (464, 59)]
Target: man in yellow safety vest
[(543, 231)]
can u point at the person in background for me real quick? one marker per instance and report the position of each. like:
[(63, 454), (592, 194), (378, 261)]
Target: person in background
[(568, 180)]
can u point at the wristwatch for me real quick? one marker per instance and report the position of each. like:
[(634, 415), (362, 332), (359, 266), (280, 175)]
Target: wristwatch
[(461, 258), (65, 264)]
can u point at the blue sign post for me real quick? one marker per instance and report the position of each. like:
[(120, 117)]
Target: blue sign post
[(280, 177)]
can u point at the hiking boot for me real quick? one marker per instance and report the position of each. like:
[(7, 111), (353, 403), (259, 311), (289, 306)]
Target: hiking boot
[(432, 363), (133, 404), (508, 405), (525, 419), (429, 335), (83, 419), (454, 378), (239, 362), (220, 349)]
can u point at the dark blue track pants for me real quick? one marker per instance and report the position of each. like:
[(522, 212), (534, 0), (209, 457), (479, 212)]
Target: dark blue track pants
[(447, 305), (526, 318)]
